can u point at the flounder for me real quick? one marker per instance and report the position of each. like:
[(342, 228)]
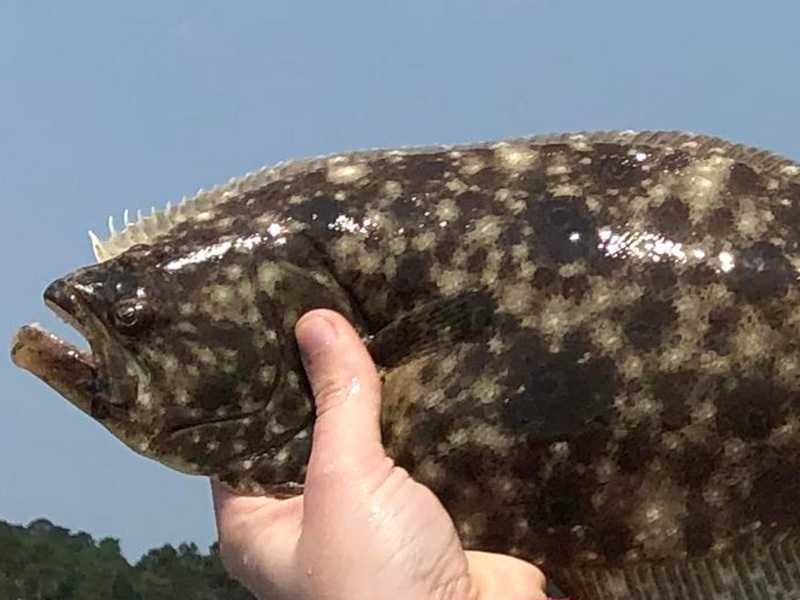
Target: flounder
[(590, 345)]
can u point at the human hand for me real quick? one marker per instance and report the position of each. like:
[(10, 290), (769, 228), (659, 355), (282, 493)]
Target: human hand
[(363, 529)]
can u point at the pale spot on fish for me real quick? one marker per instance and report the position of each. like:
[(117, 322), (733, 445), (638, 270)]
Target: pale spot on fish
[(341, 174), (515, 158), (268, 276)]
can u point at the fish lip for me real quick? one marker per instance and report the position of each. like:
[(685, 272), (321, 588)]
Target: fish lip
[(63, 300), (34, 334), (61, 365), (69, 305), (71, 371)]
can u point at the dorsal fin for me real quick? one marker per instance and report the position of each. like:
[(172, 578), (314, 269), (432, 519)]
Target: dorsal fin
[(149, 227)]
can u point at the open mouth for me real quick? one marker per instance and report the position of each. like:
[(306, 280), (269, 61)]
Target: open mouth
[(63, 301), (72, 372)]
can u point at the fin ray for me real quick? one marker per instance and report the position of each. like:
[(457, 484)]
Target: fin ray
[(443, 321), (771, 572)]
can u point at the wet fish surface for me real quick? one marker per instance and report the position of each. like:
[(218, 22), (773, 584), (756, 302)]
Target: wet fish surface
[(589, 345)]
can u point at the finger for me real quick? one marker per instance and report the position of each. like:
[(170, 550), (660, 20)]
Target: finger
[(231, 508), (502, 576), (257, 535), (346, 386)]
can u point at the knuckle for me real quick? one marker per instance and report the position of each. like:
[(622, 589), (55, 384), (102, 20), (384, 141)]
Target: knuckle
[(330, 392)]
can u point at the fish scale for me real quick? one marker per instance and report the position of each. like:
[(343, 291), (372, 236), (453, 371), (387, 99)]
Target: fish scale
[(595, 331)]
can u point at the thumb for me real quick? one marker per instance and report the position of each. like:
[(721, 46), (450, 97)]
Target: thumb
[(347, 438)]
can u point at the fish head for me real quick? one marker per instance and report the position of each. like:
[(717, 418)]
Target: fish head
[(185, 367)]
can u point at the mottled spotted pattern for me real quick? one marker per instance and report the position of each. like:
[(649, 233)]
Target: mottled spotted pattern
[(590, 342)]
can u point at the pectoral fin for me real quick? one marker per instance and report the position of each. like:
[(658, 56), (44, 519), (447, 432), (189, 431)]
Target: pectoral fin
[(441, 322)]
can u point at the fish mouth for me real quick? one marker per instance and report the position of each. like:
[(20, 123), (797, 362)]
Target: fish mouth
[(62, 299), (70, 371)]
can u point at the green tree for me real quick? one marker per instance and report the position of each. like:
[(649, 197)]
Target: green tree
[(46, 562)]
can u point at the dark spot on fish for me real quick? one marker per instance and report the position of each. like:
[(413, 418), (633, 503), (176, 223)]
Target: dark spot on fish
[(787, 213), (411, 275), (778, 491), (752, 410), (743, 180), (428, 372), (217, 391), (510, 236), (404, 210), (695, 464), (433, 427), (720, 222), (661, 280), (544, 277), (697, 529), (487, 178), (318, 212), (100, 410), (675, 161), (560, 496), (464, 464), (615, 168), (575, 288), (554, 394), (265, 470), (374, 243), (577, 342), (672, 219), (636, 449), (508, 269), (672, 391), (722, 323), (445, 247), (562, 508), (477, 260), (472, 205), (564, 229), (614, 539), (388, 436), (453, 390), (474, 362), (775, 312), (425, 167), (496, 537), (648, 322), (534, 184), (307, 186), (254, 434), (701, 275), (586, 446), (762, 271)]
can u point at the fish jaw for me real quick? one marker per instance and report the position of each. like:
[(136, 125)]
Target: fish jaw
[(67, 369)]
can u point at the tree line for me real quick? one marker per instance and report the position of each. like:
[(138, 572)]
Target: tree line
[(42, 561)]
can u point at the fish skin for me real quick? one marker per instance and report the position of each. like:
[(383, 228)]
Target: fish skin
[(631, 401)]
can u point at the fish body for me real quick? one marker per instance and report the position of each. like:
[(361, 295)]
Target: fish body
[(589, 345)]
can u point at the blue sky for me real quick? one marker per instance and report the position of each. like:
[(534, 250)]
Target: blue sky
[(109, 105)]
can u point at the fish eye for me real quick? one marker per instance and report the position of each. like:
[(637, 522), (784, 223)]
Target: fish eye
[(130, 317)]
